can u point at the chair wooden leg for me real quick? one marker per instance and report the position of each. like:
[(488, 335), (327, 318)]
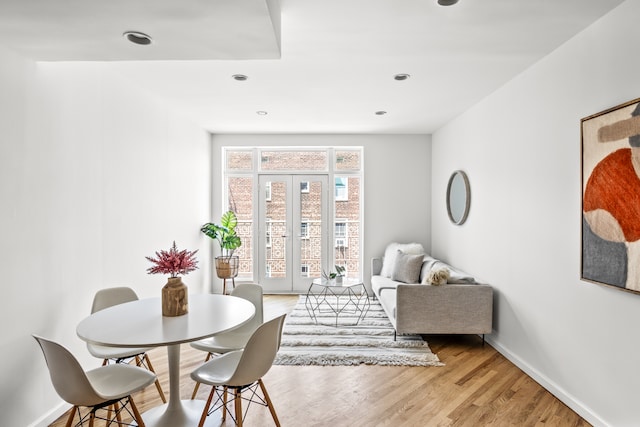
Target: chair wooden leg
[(92, 418), (116, 408), (71, 415), (269, 404), (105, 362), (197, 386), (237, 402), (136, 413), (203, 417), (195, 391), (160, 392), (225, 400)]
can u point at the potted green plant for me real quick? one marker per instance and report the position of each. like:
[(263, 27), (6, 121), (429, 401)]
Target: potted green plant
[(336, 276), (229, 241)]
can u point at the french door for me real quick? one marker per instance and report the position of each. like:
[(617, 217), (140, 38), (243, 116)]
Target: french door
[(293, 230)]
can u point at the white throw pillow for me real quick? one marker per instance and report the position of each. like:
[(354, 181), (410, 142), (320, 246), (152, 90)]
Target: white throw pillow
[(391, 253)]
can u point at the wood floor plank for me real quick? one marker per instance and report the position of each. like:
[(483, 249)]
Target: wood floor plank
[(477, 387)]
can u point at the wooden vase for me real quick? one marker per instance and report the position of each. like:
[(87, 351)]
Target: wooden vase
[(175, 298)]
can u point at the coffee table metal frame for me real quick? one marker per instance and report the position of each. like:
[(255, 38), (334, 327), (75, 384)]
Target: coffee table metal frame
[(347, 299)]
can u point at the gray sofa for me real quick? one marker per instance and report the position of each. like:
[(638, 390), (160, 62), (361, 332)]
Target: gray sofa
[(462, 306)]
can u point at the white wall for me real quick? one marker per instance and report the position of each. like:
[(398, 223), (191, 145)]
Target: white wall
[(397, 176), (94, 177), (521, 150)]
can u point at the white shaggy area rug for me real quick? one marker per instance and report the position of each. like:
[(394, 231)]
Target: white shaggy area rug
[(370, 341)]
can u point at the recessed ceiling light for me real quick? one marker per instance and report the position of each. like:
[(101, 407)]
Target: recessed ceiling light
[(447, 2), (380, 113), (261, 113), (240, 77), (401, 76), (137, 37)]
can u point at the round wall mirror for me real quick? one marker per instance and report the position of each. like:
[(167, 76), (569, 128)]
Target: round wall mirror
[(458, 197)]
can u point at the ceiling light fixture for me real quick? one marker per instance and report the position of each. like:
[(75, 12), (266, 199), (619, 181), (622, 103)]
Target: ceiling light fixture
[(380, 113), (137, 37), (401, 76), (240, 77), (261, 113), (447, 2)]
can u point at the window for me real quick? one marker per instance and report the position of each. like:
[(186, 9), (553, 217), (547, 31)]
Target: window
[(246, 180), (348, 160), (342, 193), (239, 160), (268, 233), (294, 160), (340, 233), (341, 229)]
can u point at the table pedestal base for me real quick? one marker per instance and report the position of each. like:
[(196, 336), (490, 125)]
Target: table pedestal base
[(177, 412), (188, 414)]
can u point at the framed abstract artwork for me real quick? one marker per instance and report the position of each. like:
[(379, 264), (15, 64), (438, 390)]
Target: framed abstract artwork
[(611, 197)]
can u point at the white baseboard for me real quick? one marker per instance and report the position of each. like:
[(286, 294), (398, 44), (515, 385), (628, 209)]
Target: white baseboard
[(553, 388), (48, 418)]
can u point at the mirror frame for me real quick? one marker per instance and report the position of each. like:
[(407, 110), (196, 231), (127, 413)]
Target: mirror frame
[(467, 201)]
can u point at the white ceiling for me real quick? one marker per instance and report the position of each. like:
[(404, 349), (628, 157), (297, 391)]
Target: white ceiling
[(315, 66)]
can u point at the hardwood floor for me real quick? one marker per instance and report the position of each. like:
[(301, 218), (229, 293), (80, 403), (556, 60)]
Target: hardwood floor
[(477, 387)]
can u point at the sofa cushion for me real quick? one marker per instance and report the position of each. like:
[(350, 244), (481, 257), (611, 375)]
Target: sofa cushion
[(407, 267), (391, 252), (380, 284)]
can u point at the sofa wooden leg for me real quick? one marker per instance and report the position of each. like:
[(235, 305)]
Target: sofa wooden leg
[(394, 334)]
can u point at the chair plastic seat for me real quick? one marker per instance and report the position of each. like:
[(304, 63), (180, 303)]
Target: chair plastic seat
[(223, 343), (110, 381), (104, 352), (242, 370), (107, 387), (109, 297), (218, 372), (235, 339)]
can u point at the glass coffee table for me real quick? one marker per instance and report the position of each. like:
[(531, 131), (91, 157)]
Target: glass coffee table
[(327, 296)]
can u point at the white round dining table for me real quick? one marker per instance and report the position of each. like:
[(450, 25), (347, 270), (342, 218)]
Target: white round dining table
[(141, 324)]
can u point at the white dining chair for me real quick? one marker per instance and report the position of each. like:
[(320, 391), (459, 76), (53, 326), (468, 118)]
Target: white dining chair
[(107, 387), (109, 297), (237, 338), (242, 370)]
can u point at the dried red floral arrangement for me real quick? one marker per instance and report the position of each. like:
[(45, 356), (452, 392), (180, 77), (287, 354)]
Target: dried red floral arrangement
[(173, 262)]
